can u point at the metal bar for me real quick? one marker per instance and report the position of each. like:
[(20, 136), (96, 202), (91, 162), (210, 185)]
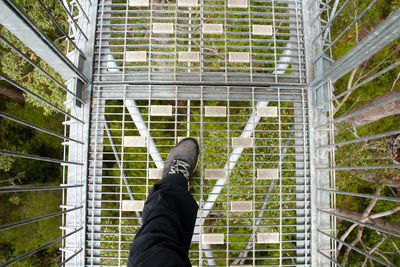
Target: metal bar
[(142, 128), (329, 22), (60, 27), (358, 250), (361, 139), (12, 225), (224, 227), (230, 165), (124, 177), (36, 188), (325, 7), (140, 124), (39, 68), (70, 258), (41, 99), (329, 258), (18, 22), (377, 228), (192, 94), (23, 256), (265, 202), (387, 166), (33, 126), (74, 152), (72, 19), (393, 199), (348, 27), (121, 171), (381, 36), (34, 157), (81, 10), (107, 80), (352, 114), (333, 13), (317, 177), (358, 85), (94, 185), (89, 1)]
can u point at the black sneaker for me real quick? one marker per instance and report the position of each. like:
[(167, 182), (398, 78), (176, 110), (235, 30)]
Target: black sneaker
[(182, 158)]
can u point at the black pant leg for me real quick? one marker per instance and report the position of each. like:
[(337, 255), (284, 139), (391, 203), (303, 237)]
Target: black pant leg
[(169, 216)]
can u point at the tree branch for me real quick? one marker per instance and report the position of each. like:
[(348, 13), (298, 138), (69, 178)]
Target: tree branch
[(385, 213), (354, 243), (395, 246), (377, 245), (395, 81), (366, 248), (388, 180), (380, 63), (364, 214), (349, 86), (356, 215)]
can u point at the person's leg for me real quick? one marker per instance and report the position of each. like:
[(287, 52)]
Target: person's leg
[(169, 217)]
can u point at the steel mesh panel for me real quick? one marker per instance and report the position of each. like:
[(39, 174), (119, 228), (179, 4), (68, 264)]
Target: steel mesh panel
[(164, 71), (129, 38), (267, 234)]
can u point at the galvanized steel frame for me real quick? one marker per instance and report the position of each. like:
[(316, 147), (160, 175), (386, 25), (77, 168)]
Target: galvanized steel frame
[(76, 69), (322, 123), (99, 134), (196, 84), (124, 85), (114, 43)]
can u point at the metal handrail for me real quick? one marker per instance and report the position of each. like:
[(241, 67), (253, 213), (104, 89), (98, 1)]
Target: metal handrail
[(324, 123), (75, 86)]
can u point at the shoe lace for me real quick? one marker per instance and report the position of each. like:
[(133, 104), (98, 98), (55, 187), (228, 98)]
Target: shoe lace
[(179, 166)]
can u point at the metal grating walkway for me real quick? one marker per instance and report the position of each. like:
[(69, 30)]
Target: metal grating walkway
[(230, 73), (237, 41)]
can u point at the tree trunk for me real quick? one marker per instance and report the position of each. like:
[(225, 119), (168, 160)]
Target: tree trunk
[(374, 114), (356, 215), (12, 93)]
